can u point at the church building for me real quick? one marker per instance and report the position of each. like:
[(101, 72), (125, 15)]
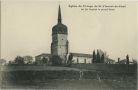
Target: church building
[(60, 45)]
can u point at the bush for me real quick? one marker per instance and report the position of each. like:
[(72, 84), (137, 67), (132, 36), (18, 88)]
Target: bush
[(56, 60)]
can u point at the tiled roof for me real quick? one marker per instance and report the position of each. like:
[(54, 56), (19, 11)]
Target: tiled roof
[(82, 55), (74, 54)]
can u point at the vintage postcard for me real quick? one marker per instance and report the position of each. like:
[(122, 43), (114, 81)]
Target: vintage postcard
[(68, 45)]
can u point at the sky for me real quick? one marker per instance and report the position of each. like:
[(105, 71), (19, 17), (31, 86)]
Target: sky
[(26, 27)]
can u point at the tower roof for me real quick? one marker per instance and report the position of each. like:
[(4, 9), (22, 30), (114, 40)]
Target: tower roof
[(59, 28), (59, 15)]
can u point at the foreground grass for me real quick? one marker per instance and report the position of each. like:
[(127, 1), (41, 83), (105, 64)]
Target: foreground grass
[(84, 84)]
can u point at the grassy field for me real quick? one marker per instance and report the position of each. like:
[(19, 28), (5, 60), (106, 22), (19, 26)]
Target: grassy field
[(86, 84), (115, 68), (112, 77)]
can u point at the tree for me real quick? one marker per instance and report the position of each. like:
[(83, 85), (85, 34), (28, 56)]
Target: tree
[(19, 60), (94, 57), (98, 57), (44, 60), (69, 62), (56, 60), (134, 61), (118, 60), (2, 61), (10, 62), (102, 58), (28, 59), (127, 59)]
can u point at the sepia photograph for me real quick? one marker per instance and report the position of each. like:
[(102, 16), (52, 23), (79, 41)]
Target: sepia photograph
[(68, 45)]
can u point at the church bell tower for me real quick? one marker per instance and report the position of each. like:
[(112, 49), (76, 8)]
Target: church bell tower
[(59, 45)]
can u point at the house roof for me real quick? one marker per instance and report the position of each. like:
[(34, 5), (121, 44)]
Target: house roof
[(122, 61), (109, 60), (82, 55), (44, 54)]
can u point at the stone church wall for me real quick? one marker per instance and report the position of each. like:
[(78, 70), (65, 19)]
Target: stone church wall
[(86, 60)]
